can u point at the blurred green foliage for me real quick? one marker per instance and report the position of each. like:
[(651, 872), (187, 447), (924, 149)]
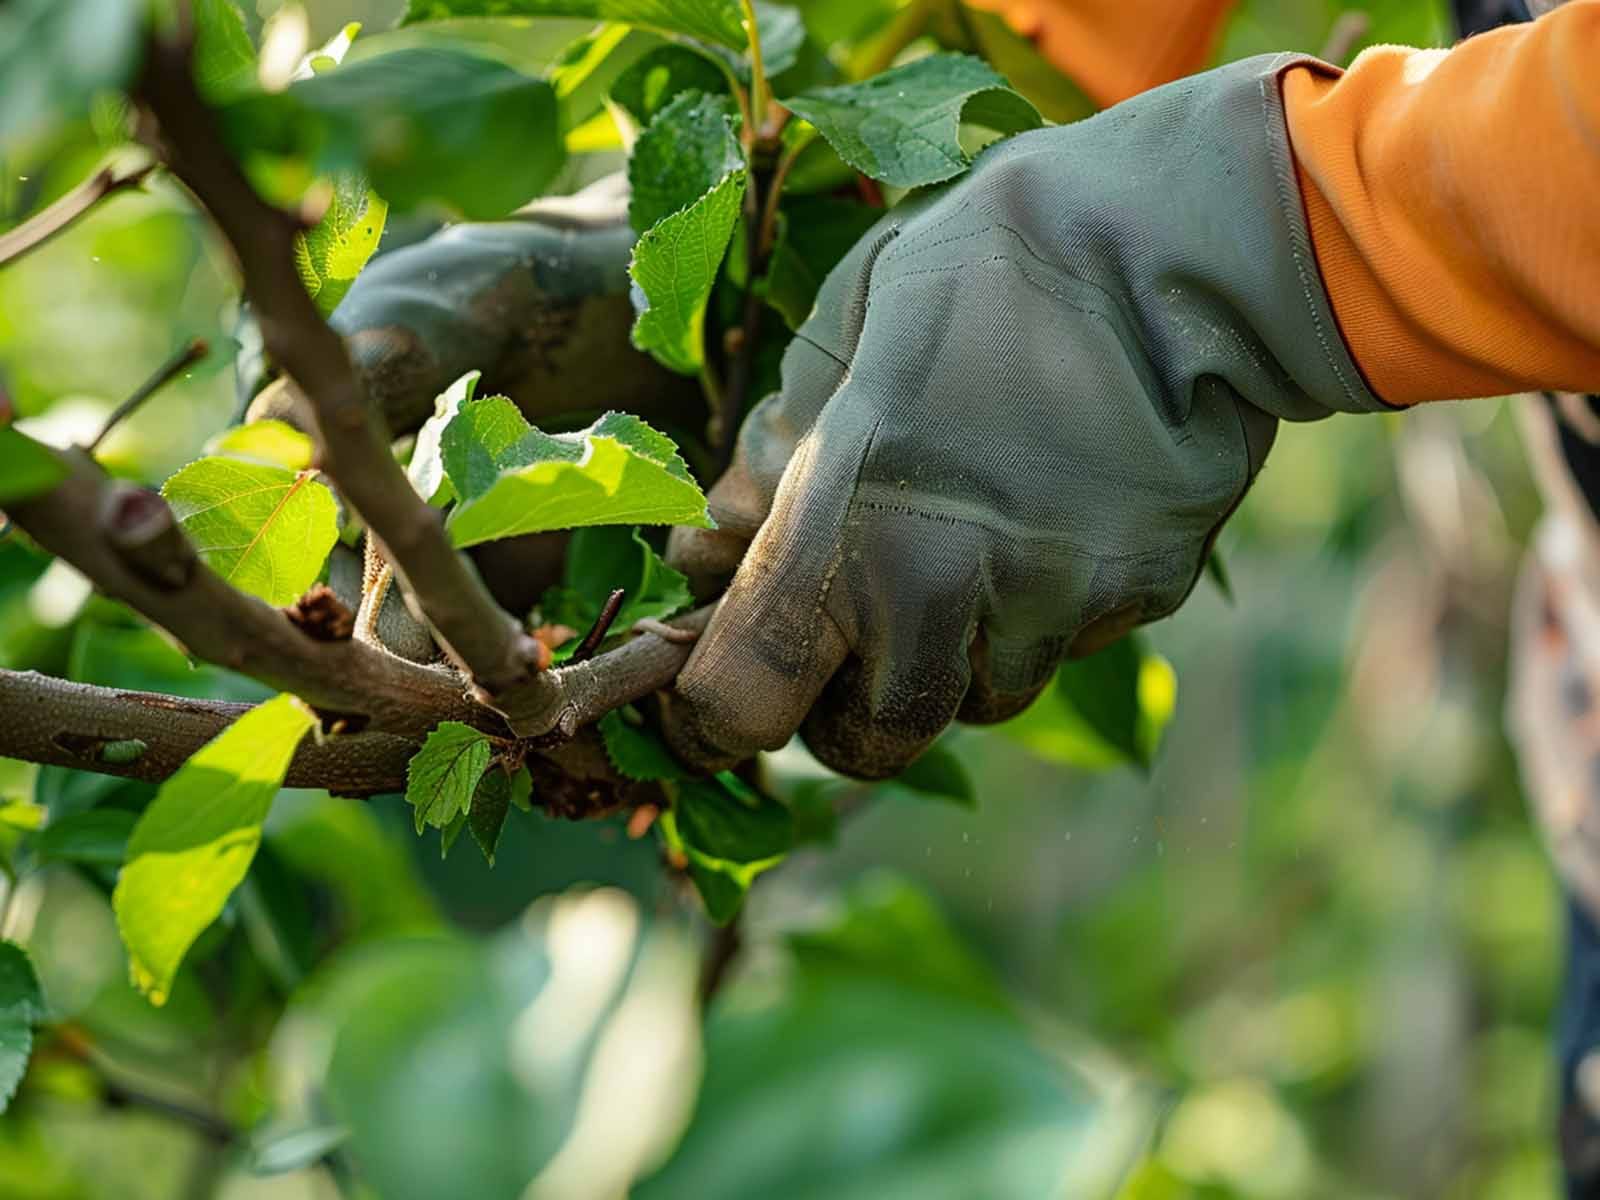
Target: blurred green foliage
[(1312, 954)]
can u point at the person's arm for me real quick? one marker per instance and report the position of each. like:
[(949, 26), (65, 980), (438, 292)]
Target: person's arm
[(1114, 49), (1454, 207)]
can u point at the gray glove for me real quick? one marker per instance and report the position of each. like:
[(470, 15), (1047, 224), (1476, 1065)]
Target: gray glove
[(1012, 428)]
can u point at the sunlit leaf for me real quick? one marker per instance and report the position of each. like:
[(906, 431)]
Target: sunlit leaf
[(271, 442), (903, 127), (716, 21), (332, 252), (514, 479), (195, 842), (443, 775), (266, 530)]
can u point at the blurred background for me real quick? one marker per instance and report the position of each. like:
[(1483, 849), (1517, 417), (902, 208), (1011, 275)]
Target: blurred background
[(1313, 954)]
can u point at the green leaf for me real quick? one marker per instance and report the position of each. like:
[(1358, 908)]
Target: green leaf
[(97, 838), (903, 127), (498, 792), (938, 773), (637, 753), (21, 1008), (27, 469), (514, 479), (1217, 570), (782, 31), (674, 268), (332, 252), (194, 844), (264, 529), (57, 55), (224, 55), (271, 442), (726, 819), (24, 815), (442, 776), (815, 232), (1107, 710), (728, 834), (425, 125), (717, 21), (688, 149), (426, 469), (590, 67), (660, 77), (601, 559)]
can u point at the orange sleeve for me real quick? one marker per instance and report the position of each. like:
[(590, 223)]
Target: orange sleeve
[(1454, 205), (1114, 49)]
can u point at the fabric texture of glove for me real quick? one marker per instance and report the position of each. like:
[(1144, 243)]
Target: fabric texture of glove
[(1022, 409)]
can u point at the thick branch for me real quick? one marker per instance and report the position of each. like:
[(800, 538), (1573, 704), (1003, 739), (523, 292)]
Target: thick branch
[(353, 444), (43, 226), (151, 568), (62, 724)]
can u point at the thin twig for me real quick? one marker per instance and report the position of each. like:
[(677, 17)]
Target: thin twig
[(758, 76), (353, 450), (181, 361), (602, 626), (213, 1129), (1348, 30), (43, 226)]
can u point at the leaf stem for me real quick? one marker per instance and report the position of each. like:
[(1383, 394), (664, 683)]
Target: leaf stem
[(43, 226), (759, 97), (184, 358)]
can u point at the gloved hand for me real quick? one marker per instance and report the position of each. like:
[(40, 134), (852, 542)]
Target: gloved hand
[(1011, 429)]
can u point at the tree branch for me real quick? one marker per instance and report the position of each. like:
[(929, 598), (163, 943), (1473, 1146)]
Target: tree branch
[(186, 356), (43, 226), (129, 545), (558, 703), (62, 724), (353, 447)]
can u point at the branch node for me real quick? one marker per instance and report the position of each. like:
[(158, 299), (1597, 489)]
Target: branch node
[(322, 616), (602, 626), (140, 527)]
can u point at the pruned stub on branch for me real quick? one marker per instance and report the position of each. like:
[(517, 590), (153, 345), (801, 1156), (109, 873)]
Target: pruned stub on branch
[(420, 634)]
